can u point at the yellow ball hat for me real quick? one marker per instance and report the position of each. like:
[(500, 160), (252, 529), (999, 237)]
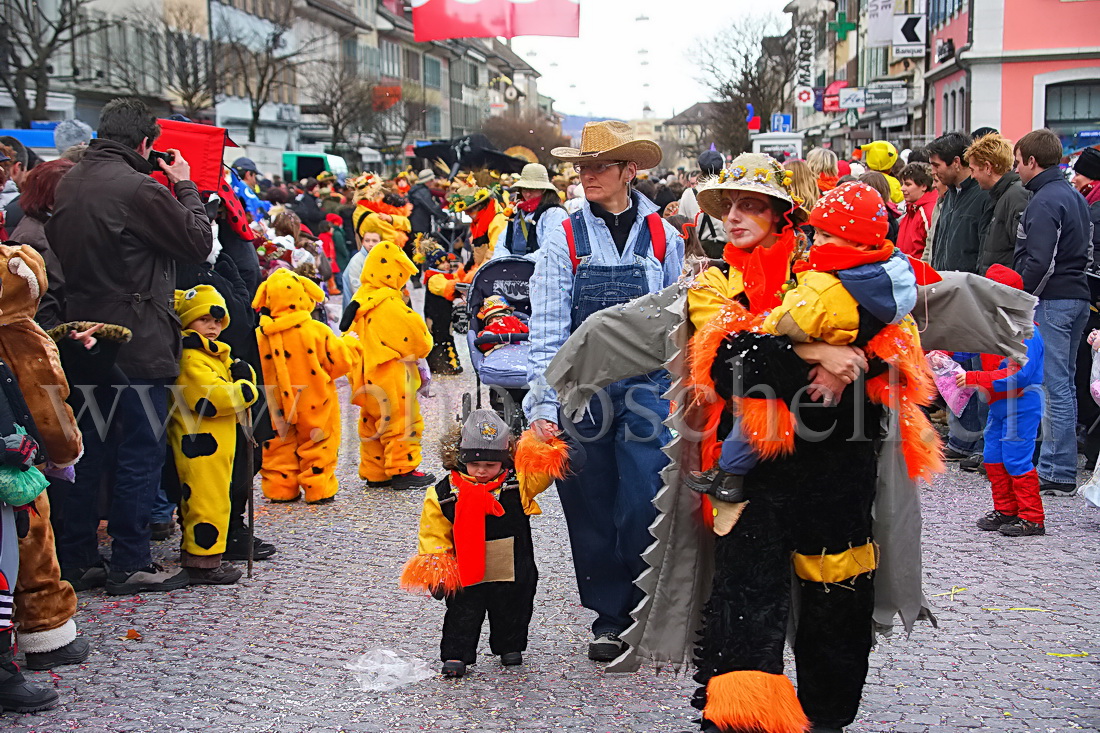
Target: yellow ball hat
[(199, 301)]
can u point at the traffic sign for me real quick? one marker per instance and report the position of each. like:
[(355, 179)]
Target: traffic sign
[(781, 122), (910, 35), (804, 96), (852, 98)]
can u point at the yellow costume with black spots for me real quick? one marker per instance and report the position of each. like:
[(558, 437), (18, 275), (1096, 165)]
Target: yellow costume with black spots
[(384, 385), (301, 358), (203, 429)]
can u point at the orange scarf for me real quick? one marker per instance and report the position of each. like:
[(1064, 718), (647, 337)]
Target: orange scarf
[(475, 503), (764, 270), (825, 182)]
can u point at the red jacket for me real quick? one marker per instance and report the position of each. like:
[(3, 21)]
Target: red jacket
[(913, 227), (329, 247), (507, 324)]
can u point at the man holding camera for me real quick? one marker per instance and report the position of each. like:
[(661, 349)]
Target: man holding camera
[(118, 235)]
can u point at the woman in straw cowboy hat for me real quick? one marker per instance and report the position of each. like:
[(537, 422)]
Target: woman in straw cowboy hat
[(536, 209), (808, 506), (614, 249)]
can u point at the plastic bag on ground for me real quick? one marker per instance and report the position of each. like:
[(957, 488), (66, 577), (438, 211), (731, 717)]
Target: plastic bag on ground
[(1091, 490), (380, 670), (944, 369)]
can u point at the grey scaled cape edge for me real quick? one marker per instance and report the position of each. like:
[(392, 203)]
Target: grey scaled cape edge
[(963, 312)]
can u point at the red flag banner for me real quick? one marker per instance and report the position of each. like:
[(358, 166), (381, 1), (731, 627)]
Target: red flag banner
[(436, 20)]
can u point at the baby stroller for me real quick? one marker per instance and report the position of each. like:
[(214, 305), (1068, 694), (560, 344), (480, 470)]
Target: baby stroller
[(504, 370)]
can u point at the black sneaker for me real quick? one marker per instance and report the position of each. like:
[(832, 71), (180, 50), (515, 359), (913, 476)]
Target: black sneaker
[(606, 647), (972, 464), (454, 668), (151, 579), (236, 548), (75, 652), (992, 521), (950, 454), (379, 484), (1053, 488), (1022, 528), (161, 530), (86, 578), (412, 480), (224, 574), (511, 659)]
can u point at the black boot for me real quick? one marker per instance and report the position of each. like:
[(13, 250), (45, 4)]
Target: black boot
[(717, 483), (16, 694)]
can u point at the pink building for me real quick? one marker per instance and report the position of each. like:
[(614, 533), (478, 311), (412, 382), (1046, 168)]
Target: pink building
[(1021, 65)]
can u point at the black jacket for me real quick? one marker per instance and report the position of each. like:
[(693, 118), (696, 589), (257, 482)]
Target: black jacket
[(308, 209), (243, 254), (1054, 245), (1009, 199), (961, 227), (118, 235), (33, 232), (425, 209)]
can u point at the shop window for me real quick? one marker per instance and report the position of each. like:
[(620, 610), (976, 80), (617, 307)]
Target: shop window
[(433, 72)]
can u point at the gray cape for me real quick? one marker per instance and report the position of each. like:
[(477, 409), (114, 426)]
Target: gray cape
[(964, 312)]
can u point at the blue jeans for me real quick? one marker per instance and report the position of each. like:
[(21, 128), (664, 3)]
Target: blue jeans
[(138, 465), (1061, 323), (608, 505), (162, 508), (965, 431)]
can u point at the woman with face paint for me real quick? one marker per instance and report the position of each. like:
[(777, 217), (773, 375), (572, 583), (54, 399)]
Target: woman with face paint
[(805, 504)]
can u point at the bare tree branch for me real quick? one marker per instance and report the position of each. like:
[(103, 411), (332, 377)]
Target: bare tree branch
[(529, 129), (751, 61), (344, 97), (33, 37)]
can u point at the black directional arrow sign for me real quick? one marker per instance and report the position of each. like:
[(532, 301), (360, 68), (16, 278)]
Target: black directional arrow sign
[(910, 35), (909, 29)]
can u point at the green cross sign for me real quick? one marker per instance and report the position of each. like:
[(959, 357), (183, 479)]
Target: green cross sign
[(842, 26)]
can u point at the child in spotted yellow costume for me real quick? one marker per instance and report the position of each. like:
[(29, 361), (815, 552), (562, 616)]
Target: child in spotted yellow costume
[(213, 388), (301, 358), (385, 383)]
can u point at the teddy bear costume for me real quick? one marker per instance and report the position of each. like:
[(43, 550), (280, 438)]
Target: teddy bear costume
[(301, 358), (45, 605), (393, 337), (203, 430)]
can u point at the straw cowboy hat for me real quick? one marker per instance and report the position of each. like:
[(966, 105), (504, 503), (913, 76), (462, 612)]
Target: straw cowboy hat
[(749, 172), (611, 141), (534, 176)]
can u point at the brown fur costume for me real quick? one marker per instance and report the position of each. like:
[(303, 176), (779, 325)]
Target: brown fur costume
[(44, 605)]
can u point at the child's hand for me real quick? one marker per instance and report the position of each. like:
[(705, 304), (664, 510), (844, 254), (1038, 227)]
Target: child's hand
[(960, 380), (240, 370), (86, 339), (1094, 340)]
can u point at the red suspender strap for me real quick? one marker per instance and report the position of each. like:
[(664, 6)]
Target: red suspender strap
[(568, 224), (657, 235)]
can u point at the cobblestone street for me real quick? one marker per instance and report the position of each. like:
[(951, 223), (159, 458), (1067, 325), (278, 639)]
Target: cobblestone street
[(1016, 649)]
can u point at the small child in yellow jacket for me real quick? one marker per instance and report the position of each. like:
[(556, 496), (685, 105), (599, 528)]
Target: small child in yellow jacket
[(475, 544), (301, 359), (384, 385), (213, 388)]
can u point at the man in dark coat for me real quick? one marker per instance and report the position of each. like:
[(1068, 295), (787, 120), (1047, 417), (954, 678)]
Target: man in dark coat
[(1052, 251), (118, 235), (425, 207), (308, 207)]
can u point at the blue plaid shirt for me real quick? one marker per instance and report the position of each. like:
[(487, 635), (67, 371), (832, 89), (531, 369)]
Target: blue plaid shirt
[(552, 292)]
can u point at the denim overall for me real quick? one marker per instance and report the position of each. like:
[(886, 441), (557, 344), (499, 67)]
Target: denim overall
[(608, 505), (516, 241)]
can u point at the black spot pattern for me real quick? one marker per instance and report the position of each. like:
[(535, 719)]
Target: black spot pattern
[(205, 408), (206, 535), (316, 470), (247, 392), (197, 445), (185, 491)]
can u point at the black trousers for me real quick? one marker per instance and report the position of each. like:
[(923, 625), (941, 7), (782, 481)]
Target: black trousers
[(746, 619), (509, 607)]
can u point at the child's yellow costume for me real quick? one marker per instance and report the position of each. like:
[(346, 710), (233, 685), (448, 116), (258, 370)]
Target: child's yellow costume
[(213, 388), (393, 337), (301, 357)]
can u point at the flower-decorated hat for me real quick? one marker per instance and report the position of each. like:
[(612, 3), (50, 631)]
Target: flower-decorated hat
[(750, 172), (469, 197), (854, 212), (492, 306)]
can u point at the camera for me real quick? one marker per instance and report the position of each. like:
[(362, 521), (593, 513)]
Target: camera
[(155, 155)]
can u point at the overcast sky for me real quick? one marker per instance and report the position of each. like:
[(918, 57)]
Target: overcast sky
[(622, 61)]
